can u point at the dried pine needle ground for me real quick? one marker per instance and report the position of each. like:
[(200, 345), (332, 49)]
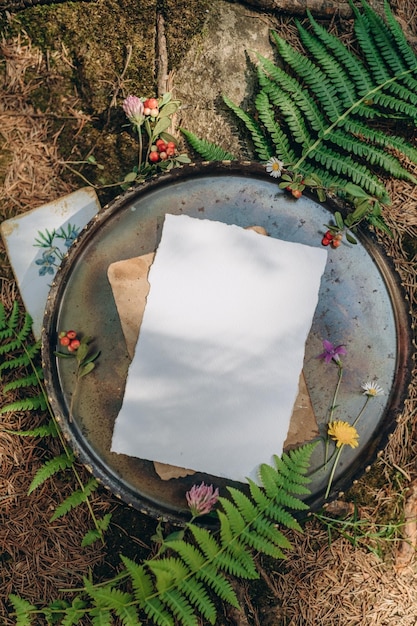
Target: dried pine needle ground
[(333, 583)]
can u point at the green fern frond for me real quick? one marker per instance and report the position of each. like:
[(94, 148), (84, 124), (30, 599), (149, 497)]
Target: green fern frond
[(279, 81), (394, 49), (396, 105), (280, 139), (22, 610), (49, 468), (157, 612), (74, 613), (198, 597), (345, 165), (95, 534), (101, 617), (401, 42), (10, 322), (262, 146), (377, 137), (353, 66), (333, 69), (293, 118), (175, 589), (317, 113), (45, 430), (313, 76), (23, 360), (141, 580), (26, 404), (207, 150), (373, 154), (74, 499), (31, 380), (180, 607)]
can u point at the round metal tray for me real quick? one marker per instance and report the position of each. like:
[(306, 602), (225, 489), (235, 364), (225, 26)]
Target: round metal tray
[(361, 305)]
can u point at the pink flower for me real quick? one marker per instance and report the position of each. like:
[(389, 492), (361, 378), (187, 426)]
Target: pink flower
[(201, 499), (331, 352), (133, 107)]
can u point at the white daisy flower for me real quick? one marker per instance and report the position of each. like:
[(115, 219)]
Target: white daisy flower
[(372, 389), (274, 167)]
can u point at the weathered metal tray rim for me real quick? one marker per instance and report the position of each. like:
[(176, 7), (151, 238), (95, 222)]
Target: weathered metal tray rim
[(398, 296)]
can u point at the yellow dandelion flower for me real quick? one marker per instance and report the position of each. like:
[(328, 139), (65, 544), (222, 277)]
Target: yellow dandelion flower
[(343, 434)]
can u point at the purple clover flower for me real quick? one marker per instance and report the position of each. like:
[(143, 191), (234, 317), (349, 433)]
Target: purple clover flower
[(331, 352), (201, 499), (133, 107)]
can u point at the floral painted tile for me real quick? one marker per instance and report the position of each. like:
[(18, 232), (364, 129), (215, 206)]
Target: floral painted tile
[(37, 241)]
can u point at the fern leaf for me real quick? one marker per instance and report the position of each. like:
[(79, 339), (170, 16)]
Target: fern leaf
[(262, 146), (218, 583), (207, 150), (353, 66), (198, 597), (157, 612), (391, 49), (167, 571), (382, 55), (313, 76), (26, 381), (403, 46), (377, 137), (280, 80), (373, 155), (74, 613), (293, 118), (189, 553), (206, 542), (234, 517), (22, 609), (234, 559), (128, 614), (263, 545), (49, 468), (180, 607), (3, 317), (45, 430), (17, 337), (75, 499), (359, 174), (101, 617), (282, 516), (369, 49), (21, 360), (26, 404), (334, 70), (246, 507), (13, 318), (96, 533), (269, 530), (396, 105), (280, 139)]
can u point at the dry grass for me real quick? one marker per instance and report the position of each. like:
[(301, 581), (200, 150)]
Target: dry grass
[(335, 583)]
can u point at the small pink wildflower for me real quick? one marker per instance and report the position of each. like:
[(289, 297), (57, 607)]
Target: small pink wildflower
[(201, 499), (331, 352), (133, 107)]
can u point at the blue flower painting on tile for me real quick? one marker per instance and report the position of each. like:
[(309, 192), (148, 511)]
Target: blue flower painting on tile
[(56, 243)]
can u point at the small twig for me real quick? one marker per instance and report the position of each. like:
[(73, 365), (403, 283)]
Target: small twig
[(161, 56), (120, 79)]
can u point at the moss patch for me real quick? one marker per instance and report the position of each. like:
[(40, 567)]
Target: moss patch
[(97, 53)]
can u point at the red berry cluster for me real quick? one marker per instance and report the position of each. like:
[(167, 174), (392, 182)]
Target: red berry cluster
[(296, 193), (150, 107), (161, 151), (334, 239), (70, 340)]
